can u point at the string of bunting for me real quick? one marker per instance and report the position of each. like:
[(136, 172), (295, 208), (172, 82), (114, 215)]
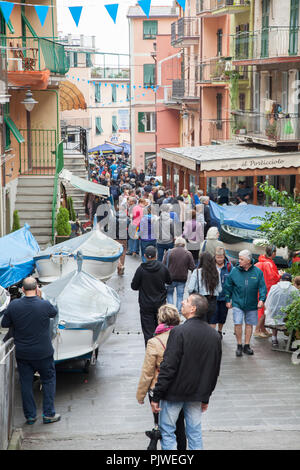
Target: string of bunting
[(134, 87), (76, 11)]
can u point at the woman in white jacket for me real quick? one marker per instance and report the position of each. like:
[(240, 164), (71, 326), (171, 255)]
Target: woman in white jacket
[(206, 281)]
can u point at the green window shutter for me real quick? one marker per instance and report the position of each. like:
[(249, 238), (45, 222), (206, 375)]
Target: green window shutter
[(99, 129), (13, 128), (265, 28), (114, 124), (113, 93), (97, 93), (149, 74), (141, 125), (149, 29), (294, 25), (88, 59)]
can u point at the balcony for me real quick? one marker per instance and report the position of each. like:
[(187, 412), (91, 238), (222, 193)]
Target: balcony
[(219, 130), (185, 32), (267, 45), (214, 70), (109, 72), (266, 129), (221, 7), (37, 152), (35, 54), (184, 90)]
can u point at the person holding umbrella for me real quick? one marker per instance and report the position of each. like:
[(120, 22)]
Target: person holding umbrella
[(167, 317)]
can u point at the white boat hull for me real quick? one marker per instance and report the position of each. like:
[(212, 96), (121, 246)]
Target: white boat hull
[(76, 343), (50, 270)]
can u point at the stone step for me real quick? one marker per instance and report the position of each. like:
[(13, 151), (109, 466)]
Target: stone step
[(39, 223), (35, 182), (38, 190), (37, 206), (43, 231), (33, 199)]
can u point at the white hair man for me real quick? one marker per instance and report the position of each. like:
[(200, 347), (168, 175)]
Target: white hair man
[(244, 285)]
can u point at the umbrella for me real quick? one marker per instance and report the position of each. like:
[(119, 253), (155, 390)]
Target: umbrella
[(154, 437)]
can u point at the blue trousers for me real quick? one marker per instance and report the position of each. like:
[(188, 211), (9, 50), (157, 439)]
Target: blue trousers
[(46, 369), (161, 248), (134, 245)]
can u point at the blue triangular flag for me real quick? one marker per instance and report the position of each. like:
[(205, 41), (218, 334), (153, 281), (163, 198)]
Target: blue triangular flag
[(181, 3), (112, 10), (6, 8), (42, 11), (145, 6), (76, 14)]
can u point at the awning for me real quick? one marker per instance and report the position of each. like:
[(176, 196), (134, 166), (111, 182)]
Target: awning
[(84, 185), (13, 128), (70, 97), (107, 148), (27, 78)]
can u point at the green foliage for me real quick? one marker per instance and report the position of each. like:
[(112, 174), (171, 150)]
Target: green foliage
[(292, 311), (62, 224), (16, 222), (294, 270), (271, 130), (71, 209), (282, 229)]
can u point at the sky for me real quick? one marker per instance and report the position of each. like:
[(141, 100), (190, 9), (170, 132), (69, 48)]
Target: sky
[(95, 21)]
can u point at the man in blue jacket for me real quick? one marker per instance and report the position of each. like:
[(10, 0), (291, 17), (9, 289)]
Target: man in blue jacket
[(30, 319), (245, 292)]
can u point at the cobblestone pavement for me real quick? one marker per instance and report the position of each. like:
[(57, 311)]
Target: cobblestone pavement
[(256, 404)]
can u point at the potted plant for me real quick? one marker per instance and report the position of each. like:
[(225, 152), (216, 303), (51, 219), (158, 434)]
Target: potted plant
[(292, 320), (16, 222), (62, 225), (271, 131), (70, 208)]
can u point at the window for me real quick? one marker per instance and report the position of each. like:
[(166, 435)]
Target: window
[(219, 111), (149, 75), (73, 59), (294, 27), (149, 29), (219, 42), (114, 124), (98, 92), (146, 122), (242, 101), (99, 129), (88, 59), (113, 92)]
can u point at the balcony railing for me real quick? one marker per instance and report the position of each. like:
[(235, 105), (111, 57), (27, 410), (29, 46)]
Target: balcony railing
[(185, 31), (272, 42), (220, 130), (109, 72), (37, 153), (270, 129), (35, 54), (215, 69), (211, 6), (184, 90)]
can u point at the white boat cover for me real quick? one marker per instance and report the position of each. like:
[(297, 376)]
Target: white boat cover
[(279, 296), (92, 245), (84, 184), (83, 302), (4, 299)]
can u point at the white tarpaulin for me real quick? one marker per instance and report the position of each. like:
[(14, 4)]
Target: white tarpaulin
[(83, 184)]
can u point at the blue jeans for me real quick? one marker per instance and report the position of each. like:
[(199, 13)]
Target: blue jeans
[(144, 244), (134, 245), (46, 369), (161, 247), (167, 424), (179, 286)]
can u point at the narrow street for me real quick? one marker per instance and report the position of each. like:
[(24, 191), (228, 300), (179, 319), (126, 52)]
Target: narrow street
[(256, 404)]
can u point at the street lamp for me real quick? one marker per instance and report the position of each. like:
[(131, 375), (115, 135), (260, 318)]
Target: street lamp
[(29, 103)]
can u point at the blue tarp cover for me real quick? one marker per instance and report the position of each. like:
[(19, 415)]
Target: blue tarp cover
[(126, 147), (107, 148), (239, 216), (16, 256)]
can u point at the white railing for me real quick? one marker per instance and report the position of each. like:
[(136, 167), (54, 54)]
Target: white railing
[(7, 389)]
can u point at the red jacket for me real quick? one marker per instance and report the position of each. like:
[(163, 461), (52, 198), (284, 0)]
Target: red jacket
[(269, 269)]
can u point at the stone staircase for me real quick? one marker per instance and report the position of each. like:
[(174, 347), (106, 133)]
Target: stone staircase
[(34, 205), (75, 163)]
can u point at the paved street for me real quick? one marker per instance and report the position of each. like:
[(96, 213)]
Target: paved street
[(256, 404)]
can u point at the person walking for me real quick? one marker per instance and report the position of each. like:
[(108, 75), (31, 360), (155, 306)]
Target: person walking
[(165, 231), (30, 317), (205, 280), (179, 262), (244, 285), (193, 233), (205, 200), (188, 374), (167, 317), (147, 230), (271, 276), (211, 241), (220, 315), (150, 280)]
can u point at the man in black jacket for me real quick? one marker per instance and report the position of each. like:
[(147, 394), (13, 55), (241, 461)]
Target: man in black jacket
[(188, 374), (150, 280), (30, 319)]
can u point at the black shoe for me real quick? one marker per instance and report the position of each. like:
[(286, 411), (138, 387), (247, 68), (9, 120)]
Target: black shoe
[(248, 350), (239, 351), (129, 253)]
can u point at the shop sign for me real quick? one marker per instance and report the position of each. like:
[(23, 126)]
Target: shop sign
[(284, 161)]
